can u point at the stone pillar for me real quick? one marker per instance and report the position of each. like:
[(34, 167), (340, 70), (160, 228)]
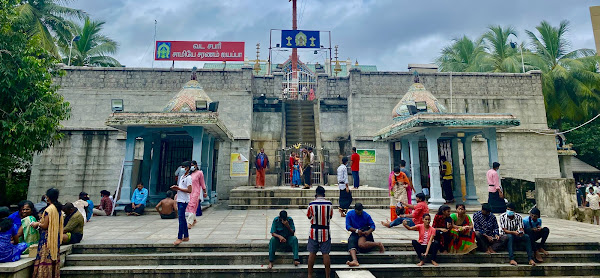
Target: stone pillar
[(204, 155), (456, 179), (156, 148), (435, 200), (132, 133), (492, 144), (467, 142), (147, 161), (197, 134), (405, 153), (415, 165), (208, 175)]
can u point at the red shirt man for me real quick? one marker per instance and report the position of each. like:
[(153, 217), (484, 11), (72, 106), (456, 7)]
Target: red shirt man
[(355, 158)]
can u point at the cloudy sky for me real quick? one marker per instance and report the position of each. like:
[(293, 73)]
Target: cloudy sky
[(387, 33)]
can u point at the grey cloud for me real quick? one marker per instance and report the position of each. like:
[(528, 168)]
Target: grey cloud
[(387, 33)]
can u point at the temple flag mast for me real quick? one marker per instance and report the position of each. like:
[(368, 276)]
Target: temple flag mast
[(294, 50)]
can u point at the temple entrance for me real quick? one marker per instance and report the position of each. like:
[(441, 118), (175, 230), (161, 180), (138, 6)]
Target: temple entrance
[(174, 150), (298, 85)]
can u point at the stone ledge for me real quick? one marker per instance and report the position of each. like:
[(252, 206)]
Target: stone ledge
[(27, 262)]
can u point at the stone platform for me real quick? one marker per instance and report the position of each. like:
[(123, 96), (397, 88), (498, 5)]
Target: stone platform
[(278, 197)]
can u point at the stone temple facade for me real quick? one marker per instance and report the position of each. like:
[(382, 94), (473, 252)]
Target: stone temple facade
[(348, 110)]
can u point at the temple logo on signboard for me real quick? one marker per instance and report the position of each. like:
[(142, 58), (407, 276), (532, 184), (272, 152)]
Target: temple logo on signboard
[(163, 50), (300, 39)]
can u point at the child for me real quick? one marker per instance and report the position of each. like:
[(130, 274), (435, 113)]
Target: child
[(425, 245), (593, 200), (8, 232), (297, 173)]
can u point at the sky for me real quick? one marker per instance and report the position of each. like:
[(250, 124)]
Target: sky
[(387, 33)]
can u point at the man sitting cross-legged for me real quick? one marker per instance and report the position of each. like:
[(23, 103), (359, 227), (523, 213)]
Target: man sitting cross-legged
[(167, 207), (283, 230), (361, 226), (73, 225)]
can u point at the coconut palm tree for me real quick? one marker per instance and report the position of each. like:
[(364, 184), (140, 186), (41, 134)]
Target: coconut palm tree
[(48, 20), (570, 79), (497, 43), (93, 48), (464, 55)]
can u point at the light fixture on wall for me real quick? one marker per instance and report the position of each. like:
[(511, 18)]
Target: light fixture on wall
[(421, 106), (460, 134), (116, 105), (201, 105)]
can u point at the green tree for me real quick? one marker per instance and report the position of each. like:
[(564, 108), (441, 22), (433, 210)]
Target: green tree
[(465, 55), (503, 56), (93, 48), (585, 141), (570, 79), (48, 20), (30, 107)]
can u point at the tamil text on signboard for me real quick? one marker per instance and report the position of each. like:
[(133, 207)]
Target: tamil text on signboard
[(238, 165), (366, 156), (199, 51), (300, 39)]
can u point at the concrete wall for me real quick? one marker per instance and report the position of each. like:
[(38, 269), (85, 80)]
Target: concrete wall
[(556, 197)]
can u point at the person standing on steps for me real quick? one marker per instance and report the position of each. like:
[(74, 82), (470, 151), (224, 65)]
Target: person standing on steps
[(320, 212), (282, 232), (355, 167), (262, 165), (447, 180), (198, 194), (184, 188), (345, 194), (308, 162), (411, 188), (495, 193)]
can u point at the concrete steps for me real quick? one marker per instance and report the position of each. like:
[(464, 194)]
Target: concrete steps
[(282, 196), (250, 259), (300, 122)]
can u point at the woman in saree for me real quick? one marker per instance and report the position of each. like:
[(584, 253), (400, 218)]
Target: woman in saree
[(463, 236), (27, 233), (9, 252), (398, 183), (47, 261)]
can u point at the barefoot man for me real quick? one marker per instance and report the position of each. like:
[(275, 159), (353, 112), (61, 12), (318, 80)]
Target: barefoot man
[(361, 226), (283, 231)]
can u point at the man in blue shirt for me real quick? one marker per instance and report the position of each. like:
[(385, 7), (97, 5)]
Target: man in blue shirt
[(533, 227), (361, 226), (138, 201)]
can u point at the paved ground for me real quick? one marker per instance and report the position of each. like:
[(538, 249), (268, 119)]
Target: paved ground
[(221, 225)]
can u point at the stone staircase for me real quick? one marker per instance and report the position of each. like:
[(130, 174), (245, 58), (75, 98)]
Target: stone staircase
[(247, 197), (299, 122), (249, 260)]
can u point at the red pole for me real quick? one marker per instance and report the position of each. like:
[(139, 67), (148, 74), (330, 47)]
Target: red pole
[(294, 50)]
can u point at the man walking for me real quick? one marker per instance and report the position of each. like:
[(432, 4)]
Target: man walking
[(282, 232), (262, 165), (320, 212), (184, 188), (355, 167), (447, 180)]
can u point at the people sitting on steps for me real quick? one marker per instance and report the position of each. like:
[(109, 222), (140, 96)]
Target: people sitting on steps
[(426, 247), (512, 229), (167, 207), (73, 225), (416, 217), (486, 230), (361, 226), (535, 231), (283, 232)]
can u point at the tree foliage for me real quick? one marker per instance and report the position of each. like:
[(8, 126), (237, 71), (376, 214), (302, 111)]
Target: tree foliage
[(93, 48), (30, 107)]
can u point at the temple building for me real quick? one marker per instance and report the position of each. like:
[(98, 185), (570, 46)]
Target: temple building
[(132, 125)]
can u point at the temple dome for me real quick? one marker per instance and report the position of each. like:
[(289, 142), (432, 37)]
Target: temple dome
[(185, 100), (417, 93)]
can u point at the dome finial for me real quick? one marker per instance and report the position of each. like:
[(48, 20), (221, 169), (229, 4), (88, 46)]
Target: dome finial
[(416, 76), (194, 77)]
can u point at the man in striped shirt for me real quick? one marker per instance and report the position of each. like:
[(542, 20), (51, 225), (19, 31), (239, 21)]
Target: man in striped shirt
[(320, 212), (511, 228)]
